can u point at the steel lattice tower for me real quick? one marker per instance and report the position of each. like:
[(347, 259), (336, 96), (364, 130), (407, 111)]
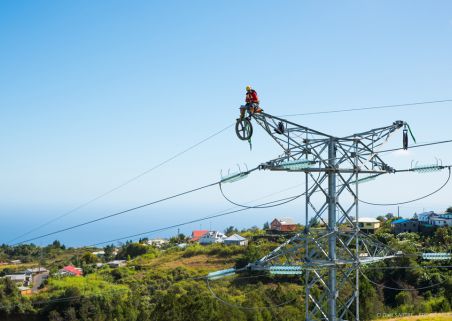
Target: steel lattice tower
[(328, 257)]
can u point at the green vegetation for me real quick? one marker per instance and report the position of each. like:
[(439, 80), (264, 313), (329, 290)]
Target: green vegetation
[(164, 284)]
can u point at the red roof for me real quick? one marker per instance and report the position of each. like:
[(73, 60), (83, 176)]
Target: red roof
[(72, 270), (196, 235)]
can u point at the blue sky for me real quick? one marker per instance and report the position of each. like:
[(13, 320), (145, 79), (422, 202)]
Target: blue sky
[(93, 93)]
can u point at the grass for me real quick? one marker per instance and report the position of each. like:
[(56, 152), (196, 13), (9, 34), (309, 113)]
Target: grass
[(427, 317), (200, 262)]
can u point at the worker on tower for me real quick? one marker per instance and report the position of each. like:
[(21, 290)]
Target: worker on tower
[(252, 102)]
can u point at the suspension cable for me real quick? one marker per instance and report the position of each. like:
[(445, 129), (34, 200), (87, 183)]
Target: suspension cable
[(117, 213), (401, 289), (413, 200), (127, 182)]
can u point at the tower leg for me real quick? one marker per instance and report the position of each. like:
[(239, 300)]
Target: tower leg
[(332, 230)]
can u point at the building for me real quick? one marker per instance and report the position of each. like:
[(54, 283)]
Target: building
[(70, 271), (236, 240), (424, 218), (117, 263), (212, 237), (157, 242), (36, 270), (368, 224), (25, 290), (432, 219), (20, 278), (99, 253), (15, 262), (438, 221), (403, 225), (182, 245), (283, 225), (196, 235)]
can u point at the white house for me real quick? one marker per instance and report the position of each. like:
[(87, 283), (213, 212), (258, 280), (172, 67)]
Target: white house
[(425, 217), (36, 270), (447, 217), (117, 263), (99, 253), (18, 278), (157, 242), (212, 237), (236, 240), (368, 224)]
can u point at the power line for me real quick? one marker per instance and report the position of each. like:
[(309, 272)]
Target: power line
[(288, 199), (244, 307), (413, 200), (401, 289), (369, 108), (121, 185), (395, 267), (118, 213), (414, 146)]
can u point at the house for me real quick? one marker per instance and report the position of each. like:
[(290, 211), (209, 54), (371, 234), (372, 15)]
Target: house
[(15, 262), (20, 278), (36, 270), (368, 224), (424, 218), (434, 219), (438, 221), (99, 253), (404, 225), (236, 240), (70, 271), (447, 218), (182, 245), (117, 263), (212, 237), (283, 225), (157, 242), (196, 235)]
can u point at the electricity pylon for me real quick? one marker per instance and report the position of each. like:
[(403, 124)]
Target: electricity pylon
[(329, 257)]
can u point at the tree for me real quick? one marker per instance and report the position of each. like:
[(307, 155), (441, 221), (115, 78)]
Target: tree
[(389, 216), (449, 209), (108, 250), (132, 250), (57, 245), (381, 218), (89, 258), (230, 230), (266, 226), (313, 222)]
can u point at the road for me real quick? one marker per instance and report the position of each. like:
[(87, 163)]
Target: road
[(37, 281)]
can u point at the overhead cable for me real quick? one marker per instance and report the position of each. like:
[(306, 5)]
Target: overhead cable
[(127, 182), (401, 289), (117, 213), (186, 223), (413, 200), (244, 307), (333, 111)]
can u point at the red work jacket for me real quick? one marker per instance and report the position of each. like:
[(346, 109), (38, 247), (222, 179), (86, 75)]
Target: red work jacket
[(251, 96)]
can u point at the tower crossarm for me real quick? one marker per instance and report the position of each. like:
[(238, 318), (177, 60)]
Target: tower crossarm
[(305, 149)]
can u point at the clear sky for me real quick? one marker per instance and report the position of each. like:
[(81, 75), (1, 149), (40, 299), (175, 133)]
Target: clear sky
[(93, 93)]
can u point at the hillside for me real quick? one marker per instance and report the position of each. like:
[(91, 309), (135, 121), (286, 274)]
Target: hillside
[(167, 283)]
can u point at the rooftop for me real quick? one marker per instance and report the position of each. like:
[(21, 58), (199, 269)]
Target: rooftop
[(235, 237), (368, 220), (286, 221)]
